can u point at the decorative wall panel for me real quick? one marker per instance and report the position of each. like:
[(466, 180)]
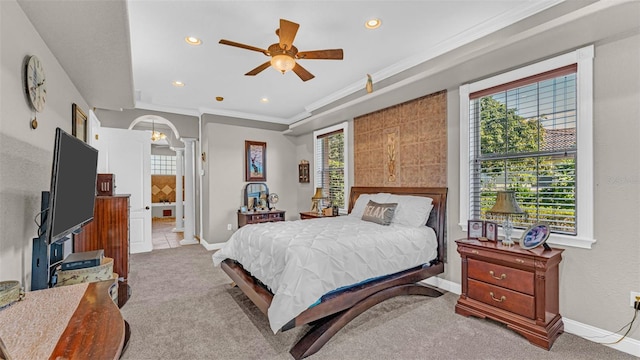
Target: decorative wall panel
[(403, 145), (163, 188)]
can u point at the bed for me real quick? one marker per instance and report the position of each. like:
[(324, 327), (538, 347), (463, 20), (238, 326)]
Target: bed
[(282, 278)]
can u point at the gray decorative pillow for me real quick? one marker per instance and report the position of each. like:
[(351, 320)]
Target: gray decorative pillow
[(379, 213)]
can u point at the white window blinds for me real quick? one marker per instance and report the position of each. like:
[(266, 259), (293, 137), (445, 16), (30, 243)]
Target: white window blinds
[(522, 137), (330, 164)]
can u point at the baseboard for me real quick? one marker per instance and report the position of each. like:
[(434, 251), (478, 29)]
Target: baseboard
[(211, 247), (588, 332), (140, 248), (627, 345), (443, 284)]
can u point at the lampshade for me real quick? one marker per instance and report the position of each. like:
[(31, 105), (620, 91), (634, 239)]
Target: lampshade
[(283, 62), (506, 203), (318, 195)]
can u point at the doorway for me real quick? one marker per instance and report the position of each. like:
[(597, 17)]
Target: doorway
[(167, 181), (164, 195), (162, 234)]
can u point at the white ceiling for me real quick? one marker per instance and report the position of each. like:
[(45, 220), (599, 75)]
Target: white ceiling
[(125, 54), (411, 32)]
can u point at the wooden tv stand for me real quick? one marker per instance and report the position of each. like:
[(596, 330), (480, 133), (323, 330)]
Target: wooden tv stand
[(45, 324)]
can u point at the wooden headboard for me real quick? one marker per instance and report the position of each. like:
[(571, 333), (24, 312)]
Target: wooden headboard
[(436, 218)]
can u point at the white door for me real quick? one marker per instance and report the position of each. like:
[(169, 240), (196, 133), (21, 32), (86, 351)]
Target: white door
[(93, 126), (127, 155)]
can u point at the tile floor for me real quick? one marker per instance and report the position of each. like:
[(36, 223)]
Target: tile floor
[(162, 235)]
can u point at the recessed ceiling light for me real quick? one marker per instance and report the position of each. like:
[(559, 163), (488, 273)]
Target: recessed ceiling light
[(219, 98), (178, 83), (373, 23), (264, 100), (191, 40)]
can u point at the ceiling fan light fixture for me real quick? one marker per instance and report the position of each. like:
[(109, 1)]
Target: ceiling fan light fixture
[(373, 23), (283, 62)]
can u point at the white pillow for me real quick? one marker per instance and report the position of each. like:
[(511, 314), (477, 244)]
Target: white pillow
[(412, 210), (363, 200)]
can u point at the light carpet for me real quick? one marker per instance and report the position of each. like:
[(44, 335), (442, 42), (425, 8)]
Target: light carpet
[(183, 308)]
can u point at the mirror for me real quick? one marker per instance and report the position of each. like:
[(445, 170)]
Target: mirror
[(256, 196)]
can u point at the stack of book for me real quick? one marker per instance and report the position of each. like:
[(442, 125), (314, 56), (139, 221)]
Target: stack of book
[(81, 260)]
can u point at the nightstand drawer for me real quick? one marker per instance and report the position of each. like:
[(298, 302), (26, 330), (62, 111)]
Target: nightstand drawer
[(514, 279), (508, 258), (505, 299)]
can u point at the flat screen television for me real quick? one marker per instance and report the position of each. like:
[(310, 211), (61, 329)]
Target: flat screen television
[(73, 186)]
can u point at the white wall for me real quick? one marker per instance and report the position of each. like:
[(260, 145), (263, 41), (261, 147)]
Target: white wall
[(224, 174), (304, 151), (595, 283), (26, 154)]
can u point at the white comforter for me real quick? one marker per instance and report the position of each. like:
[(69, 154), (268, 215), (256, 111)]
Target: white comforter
[(302, 260)]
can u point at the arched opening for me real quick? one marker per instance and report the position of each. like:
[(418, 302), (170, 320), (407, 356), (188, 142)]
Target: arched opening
[(167, 180)]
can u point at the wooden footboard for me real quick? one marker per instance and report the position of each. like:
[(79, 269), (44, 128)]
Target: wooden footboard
[(262, 297), (334, 313)]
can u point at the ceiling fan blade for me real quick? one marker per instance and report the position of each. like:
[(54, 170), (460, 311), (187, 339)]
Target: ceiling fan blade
[(259, 69), (329, 54), (242, 46), (302, 72), (287, 32)]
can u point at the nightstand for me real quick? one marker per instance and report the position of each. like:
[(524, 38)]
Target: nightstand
[(514, 286), (313, 215)]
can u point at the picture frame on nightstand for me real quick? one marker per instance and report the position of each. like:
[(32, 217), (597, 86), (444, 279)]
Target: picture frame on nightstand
[(535, 236), (475, 229), (491, 231)]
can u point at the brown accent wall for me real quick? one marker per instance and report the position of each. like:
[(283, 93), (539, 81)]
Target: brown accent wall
[(403, 145), (163, 188)]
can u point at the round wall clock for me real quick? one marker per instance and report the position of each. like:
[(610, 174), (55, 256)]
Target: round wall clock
[(35, 81)]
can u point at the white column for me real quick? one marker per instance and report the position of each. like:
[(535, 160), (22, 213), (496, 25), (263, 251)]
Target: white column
[(189, 193), (179, 203)]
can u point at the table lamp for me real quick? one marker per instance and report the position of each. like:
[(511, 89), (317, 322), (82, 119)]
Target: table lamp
[(315, 201), (506, 205)]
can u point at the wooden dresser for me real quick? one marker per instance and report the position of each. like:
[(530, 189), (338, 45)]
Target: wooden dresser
[(109, 230), (514, 286), (259, 217)]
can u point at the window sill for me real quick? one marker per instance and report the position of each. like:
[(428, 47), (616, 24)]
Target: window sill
[(580, 242)]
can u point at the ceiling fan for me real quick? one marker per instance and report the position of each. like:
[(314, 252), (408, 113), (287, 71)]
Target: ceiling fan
[(284, 55)]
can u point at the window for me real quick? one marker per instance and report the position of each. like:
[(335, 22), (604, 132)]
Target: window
[(530, 130), (331, 171), (163, 165)]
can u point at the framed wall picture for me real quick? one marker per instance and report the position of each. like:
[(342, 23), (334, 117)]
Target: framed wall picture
[(303, 172), (255, 161), (475, 229), (78, 123), (491, 231)]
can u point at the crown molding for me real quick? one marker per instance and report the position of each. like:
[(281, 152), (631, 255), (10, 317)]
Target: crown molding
[(168, 109), (473, 33)]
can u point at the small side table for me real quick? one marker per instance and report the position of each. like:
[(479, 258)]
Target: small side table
[(313, 215), (514, 286)]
